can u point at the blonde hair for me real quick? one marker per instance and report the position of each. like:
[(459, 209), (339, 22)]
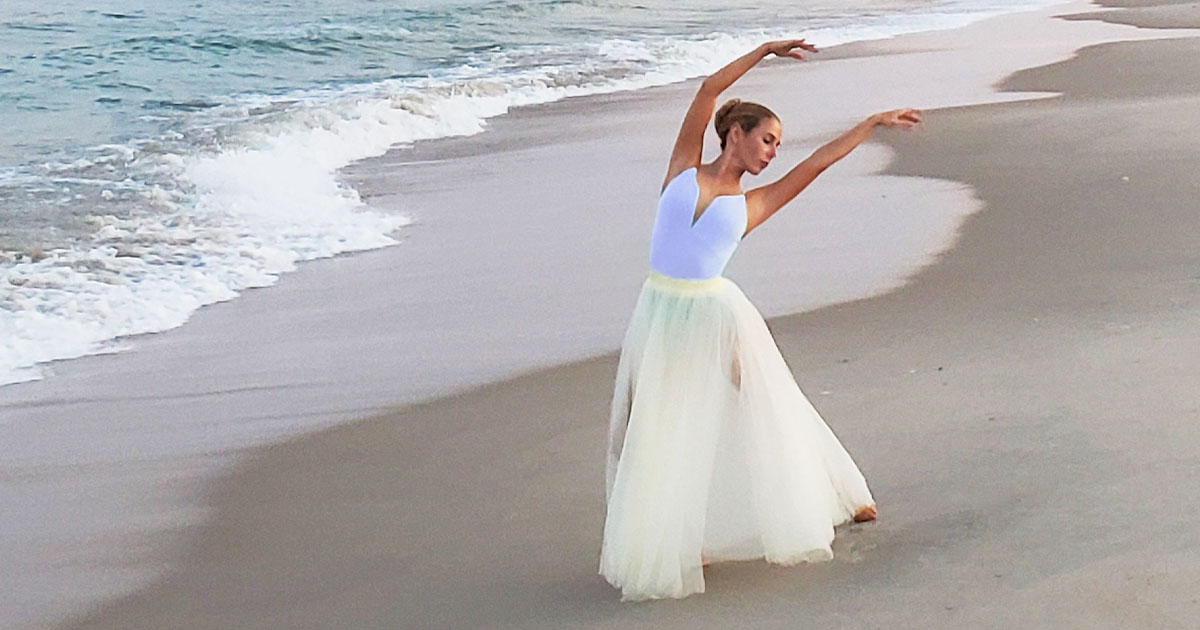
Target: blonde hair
[(744, 113)]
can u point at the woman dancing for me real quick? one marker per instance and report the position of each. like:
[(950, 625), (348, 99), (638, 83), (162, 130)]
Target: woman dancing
[(714, 452)]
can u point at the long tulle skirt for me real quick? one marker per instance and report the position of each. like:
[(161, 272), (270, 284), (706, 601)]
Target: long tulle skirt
[(714, 452)]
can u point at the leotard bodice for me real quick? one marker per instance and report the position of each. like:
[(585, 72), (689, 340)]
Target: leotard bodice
[(681, 249)]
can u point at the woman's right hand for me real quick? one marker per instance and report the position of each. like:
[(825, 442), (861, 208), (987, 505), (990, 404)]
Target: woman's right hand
[(787, 48), (898, 118)]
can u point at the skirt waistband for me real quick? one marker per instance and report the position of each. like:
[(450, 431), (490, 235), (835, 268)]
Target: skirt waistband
[(671, 282)]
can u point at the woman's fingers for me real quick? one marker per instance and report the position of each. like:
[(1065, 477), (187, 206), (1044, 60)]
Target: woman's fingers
[(786, 48), (902, 117), (801, 44)]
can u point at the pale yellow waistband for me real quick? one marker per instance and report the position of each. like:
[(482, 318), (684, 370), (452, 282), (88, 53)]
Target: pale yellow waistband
[(664, 280)]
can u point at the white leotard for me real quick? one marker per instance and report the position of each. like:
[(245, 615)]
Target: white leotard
[(683, 250)]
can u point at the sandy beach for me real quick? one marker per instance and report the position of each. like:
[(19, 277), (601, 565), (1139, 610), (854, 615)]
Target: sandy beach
[(1024, 407)]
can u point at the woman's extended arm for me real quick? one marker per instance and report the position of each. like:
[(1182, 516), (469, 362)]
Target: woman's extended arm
[(762, 202), (689, 146)]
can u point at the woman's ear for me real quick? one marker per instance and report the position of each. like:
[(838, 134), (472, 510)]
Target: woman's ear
[(735, 134)]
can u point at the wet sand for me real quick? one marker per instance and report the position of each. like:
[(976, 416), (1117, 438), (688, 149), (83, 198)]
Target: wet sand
[(1025, 411)]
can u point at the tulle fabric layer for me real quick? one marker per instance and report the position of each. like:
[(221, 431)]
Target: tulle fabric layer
[(713, 450)]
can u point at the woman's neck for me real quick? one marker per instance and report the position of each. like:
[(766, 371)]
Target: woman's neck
[(726, 170)]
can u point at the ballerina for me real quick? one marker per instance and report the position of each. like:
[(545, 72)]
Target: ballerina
[(714, 453)]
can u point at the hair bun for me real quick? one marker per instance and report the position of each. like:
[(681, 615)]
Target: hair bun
[(723, 113)]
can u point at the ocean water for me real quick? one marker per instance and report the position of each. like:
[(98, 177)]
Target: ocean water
[(156, 157)]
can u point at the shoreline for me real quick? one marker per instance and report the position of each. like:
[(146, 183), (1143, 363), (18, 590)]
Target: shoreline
[(992, 391), (364, 230), (202, 392)]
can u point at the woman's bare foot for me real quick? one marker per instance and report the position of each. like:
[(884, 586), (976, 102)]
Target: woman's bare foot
[(866, 513), (705, 560)]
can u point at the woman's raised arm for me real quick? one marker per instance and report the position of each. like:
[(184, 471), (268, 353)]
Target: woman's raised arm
[(689, 146), (764, 201)]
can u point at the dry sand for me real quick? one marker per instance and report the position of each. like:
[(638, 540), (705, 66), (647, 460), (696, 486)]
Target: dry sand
[(1025, 410)]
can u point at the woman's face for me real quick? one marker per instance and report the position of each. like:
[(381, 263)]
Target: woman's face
[(756, 148)]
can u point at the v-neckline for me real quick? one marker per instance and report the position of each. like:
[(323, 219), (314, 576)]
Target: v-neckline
[(696, 207)]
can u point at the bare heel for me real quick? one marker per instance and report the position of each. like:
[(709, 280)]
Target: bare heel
[(865, 514)]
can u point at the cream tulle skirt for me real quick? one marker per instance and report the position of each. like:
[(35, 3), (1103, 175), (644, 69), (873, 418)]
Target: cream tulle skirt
[(713, 449)]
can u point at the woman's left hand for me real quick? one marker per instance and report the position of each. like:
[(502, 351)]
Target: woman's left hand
[(898, 118)]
